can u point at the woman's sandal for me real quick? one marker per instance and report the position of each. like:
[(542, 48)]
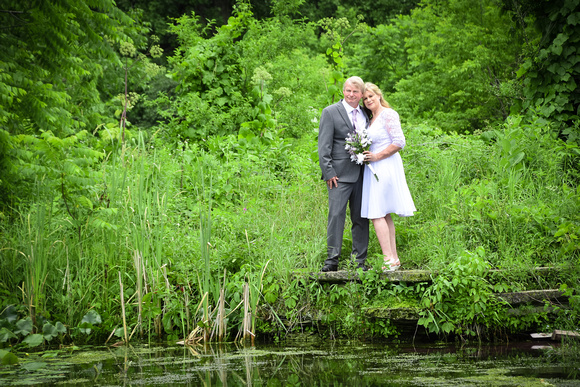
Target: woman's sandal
[(393, 265)]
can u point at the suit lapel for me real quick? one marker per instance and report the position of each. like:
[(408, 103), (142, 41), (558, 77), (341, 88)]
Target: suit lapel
[(344, 115), (346, 118)]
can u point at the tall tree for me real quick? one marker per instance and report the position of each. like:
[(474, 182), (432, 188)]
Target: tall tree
[(54, 54), (451, 61), (49, 48)]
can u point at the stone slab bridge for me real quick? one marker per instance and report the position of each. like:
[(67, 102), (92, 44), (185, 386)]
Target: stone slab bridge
[(409, 315)]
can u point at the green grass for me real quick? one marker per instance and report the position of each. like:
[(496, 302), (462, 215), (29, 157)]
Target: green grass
[(255, 207)]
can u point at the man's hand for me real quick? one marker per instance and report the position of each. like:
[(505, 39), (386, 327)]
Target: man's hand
[(333, 180)]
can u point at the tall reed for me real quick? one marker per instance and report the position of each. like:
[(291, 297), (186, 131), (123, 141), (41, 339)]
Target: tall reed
[(139, 283), (205, 234), (205, 237), (36, 253), (146, 204), (116, 217)]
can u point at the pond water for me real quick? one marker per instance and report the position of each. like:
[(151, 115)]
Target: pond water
[(318, 363)]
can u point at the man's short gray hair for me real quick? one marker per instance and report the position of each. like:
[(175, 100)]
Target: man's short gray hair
[(355, 81)]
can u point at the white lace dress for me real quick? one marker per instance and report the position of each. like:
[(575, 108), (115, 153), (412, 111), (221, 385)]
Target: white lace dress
[(390, 194)]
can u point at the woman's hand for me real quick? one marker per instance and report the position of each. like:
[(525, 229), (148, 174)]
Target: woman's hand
[(370, 157), (385, 153)]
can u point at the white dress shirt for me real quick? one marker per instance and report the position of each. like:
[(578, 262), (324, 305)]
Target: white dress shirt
[(360, 118)]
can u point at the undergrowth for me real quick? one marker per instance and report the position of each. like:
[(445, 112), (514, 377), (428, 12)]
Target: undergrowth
[(503, 199)]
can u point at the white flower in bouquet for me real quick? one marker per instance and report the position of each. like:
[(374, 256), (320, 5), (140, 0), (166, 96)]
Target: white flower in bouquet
[(358, 142)]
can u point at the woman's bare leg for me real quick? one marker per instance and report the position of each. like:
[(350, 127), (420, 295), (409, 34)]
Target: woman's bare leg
[(382, 230), (385, 230), (392, 239)]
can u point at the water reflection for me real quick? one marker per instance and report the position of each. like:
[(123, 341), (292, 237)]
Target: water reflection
[(299, 364)]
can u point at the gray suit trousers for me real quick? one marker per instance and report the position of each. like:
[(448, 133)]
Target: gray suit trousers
[(338, 197)]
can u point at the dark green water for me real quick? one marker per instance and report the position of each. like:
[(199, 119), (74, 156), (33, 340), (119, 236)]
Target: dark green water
[(299, 364)]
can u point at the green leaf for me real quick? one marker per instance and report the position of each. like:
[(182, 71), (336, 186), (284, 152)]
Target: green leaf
[(34, 340), (89, 320), (84, 201), (60, 328), (524, 68), (92, 317), (245, 133), (6, 334), (560, 39), (332, 90), (49, 331), (147, 298), (24, 327), (99, 223), (447, 327), (517, 158), (9, 314), (167, 323)]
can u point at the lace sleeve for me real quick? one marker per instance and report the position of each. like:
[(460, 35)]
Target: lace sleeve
[(393, 126)]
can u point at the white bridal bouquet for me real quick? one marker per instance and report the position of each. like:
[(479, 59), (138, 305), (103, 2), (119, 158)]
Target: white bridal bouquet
[(357, 142)]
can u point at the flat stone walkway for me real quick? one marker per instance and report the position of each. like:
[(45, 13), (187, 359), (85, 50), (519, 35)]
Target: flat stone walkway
[(411, 276)]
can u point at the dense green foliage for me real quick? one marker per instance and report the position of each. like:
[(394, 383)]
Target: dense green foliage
[(551, 69), (49, 49), (140, 200), (456, 61)]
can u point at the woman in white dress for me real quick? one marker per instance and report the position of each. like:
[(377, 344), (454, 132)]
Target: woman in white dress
[(390, 194)]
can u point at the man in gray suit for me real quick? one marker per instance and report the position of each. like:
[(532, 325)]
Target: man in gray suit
[(343, 177)]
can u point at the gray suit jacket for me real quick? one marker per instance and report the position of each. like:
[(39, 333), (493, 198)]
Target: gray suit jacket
[(334, 160)]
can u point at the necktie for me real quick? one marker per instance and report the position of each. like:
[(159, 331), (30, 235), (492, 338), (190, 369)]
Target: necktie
[(354, 112)]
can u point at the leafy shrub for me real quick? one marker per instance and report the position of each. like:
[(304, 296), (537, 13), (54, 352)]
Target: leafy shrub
[(460, 300)]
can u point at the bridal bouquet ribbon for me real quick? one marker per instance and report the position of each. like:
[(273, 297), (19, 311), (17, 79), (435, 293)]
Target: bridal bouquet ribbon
[(358, 142)]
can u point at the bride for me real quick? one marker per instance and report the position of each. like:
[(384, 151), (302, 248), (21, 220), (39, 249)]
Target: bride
[(390, 194)]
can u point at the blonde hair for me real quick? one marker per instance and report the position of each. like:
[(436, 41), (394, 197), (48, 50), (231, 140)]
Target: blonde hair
[(375, 90)]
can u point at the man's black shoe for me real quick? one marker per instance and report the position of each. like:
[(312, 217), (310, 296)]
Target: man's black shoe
[(363, 267), (327, 268)]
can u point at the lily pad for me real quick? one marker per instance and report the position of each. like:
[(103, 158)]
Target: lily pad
[(33, 366), (8, 358)]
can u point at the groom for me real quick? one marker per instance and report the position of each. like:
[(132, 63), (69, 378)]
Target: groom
[(343, 177)]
